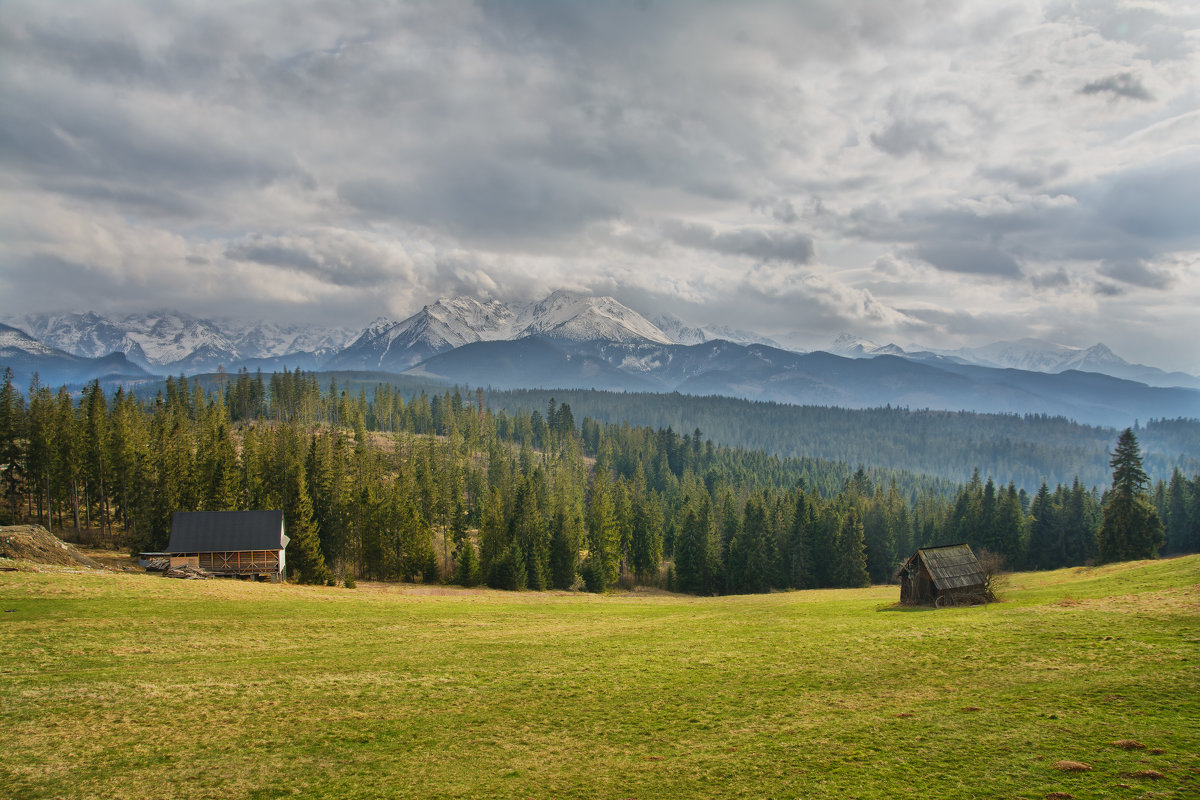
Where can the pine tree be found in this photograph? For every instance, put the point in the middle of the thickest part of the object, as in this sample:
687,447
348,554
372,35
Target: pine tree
304,548
466,566
1131,527
795,551
565,534
12,444
850,567
698,566
1045,534
1177,518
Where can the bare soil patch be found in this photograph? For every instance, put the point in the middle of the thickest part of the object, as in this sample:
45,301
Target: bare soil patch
1128,744
1146,774
1072,766
36,544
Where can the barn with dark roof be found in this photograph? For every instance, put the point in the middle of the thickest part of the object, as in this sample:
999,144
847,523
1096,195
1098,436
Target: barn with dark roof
943,576
230,543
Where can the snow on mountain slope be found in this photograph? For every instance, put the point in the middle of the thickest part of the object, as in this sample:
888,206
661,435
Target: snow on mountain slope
156,339
564,315
13,340
680,332
453,322
268,339
851,346
172,339
677,330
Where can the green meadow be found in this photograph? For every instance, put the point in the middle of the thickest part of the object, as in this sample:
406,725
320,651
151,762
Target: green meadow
133,686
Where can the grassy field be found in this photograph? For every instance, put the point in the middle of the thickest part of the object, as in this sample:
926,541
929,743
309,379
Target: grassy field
131,686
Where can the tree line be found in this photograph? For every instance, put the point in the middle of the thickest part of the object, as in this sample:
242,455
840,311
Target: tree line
441,487
1025,449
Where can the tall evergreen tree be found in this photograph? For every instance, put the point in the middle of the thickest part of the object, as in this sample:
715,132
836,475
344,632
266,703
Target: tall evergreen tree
1045,534
304,557
1131,528
12,445
1177,518
850,566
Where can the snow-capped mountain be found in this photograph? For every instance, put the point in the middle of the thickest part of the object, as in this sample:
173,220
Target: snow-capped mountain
1030,355
600,330
677,330
1037,355
851,346
26,356
173,341
453,322
564,315
13,340
269,340
682,333
153,340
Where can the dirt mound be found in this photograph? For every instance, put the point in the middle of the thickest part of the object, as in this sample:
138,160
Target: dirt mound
35,543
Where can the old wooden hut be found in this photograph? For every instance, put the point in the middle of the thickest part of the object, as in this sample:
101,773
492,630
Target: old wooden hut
231,543
943,576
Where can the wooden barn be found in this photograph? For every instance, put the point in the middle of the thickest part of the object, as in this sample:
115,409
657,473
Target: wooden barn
229,543
943,576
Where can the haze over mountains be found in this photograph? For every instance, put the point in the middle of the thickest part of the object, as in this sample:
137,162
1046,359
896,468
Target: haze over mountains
573,341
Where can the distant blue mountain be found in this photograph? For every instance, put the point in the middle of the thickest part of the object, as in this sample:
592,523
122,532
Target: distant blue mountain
26,356
759,372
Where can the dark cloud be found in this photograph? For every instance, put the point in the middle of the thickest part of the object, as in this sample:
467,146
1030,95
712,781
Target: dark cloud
336,257
780,209
968,257
764,245
907,136
1136,273
1054,279
484,200
1026,176
1156,202
1123,85
275,255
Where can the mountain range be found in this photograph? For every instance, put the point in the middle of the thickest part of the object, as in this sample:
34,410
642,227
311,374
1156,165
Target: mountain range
567,340
1033,355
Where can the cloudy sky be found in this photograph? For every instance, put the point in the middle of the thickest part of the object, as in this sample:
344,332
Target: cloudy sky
942,172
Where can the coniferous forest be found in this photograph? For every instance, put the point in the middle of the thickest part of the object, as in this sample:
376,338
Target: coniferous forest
442,487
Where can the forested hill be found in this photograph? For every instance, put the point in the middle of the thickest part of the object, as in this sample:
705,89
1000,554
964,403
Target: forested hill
1023,449
949,444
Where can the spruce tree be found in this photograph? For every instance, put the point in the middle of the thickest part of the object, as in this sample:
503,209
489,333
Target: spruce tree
1045,535
12,443
1131,527
850,568
466,567
304,548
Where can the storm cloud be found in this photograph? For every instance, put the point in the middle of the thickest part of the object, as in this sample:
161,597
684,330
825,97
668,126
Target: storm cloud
803,169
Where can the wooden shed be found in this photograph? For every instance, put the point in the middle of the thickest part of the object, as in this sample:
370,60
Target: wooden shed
230,543
943,576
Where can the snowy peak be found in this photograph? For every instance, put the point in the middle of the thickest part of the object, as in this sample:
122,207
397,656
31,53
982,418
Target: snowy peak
680,332
453,322
564,315
851,346
469,320
15,340
677,330
167,340
1038,355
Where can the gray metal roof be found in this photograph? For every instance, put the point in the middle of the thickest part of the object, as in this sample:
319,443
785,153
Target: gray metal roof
226,531
952,566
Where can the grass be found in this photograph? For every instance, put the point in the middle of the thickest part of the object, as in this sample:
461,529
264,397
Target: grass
131,686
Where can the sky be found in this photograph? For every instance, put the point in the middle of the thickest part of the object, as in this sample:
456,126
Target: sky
943,173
